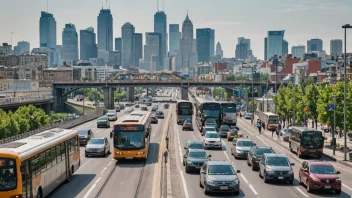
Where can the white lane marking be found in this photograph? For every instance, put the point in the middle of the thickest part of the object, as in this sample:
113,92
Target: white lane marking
252,188
250,132
244,178
265,143
92,187
347,187
101,173
181,173
109,163
227,156
96,182
98,131
301,192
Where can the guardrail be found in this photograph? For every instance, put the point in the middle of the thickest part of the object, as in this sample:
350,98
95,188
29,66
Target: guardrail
65,125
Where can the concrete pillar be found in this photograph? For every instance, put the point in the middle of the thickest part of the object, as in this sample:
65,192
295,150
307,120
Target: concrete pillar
184,92
153,91
112,99
130,94
58,105
107,97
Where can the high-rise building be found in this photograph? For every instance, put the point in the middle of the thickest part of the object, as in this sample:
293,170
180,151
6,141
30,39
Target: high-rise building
151,49
88,44
105,30
174,40
274,43
219,51
118,44
47,30
284,48
336,47
127,44
203,37
187,28
188,46
69,43
160,26
266,48
298,51
314,45
243,48
6,49
21,48
137,48
212,42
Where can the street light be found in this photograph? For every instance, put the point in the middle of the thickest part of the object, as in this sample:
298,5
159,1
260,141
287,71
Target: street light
347,26
294,97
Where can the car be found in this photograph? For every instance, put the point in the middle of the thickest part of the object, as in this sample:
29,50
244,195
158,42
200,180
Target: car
223,130
129,105
276,167
212,140
256,153
166,106
241,148
319,175
207,129
193,144
84,135
155,107
286,133
103,121
233,133
219,176
144,108
112,115
160,114
187,124
122,106
97,147
117,108
136,105
194,159
148,104
154,119
211,122
128,110
248,116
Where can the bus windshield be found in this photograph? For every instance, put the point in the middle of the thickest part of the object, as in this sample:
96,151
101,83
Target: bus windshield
8,178
129,140
229,108
273,120
211,110
184,108
312,139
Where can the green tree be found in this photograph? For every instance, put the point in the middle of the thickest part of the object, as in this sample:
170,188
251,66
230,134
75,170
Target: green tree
217,92
119,96
311,100
11,125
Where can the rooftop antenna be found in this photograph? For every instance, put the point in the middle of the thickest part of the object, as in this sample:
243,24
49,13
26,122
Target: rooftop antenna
163,6
157,5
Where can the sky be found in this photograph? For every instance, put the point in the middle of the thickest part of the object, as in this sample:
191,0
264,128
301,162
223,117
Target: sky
301,19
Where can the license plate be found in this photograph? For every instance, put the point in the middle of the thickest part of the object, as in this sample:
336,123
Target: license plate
280,177
129,157
224,187
198,167
312,151
327,187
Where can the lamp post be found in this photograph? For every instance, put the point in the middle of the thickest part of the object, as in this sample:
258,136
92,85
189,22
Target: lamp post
252,93
294,97
347,26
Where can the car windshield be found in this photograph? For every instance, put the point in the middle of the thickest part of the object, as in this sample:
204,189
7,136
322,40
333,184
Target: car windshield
197,154
103,118
111,112
210,122
196,146
83,132
245,143
129,140
261,151
220,170
316,169
209,129
277,161
224,128
96,141
234,132
248,114
212,135
8,179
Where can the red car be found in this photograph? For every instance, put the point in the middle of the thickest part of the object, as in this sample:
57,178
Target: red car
318,175
154,119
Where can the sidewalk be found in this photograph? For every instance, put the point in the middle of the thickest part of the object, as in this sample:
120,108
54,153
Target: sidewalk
327,152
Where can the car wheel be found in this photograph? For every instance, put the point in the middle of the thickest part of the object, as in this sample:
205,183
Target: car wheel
86,155
248,162
236,193
205,189
308,187
338,191
186,169
104,153
265,180
183,163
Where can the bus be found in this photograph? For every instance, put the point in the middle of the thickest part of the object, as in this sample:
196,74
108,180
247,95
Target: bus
131,136
228,113
207,108
271,120
184,111
306,142
34,166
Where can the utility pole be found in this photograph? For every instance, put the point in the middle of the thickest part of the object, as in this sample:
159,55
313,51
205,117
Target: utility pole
333,130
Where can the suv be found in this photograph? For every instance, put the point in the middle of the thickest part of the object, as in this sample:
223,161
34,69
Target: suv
317,175
208,129
276,167
241,148
193,159
223,130
256,153
219,176
84,136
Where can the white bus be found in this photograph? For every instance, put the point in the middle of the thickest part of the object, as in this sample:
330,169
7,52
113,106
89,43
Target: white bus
271,120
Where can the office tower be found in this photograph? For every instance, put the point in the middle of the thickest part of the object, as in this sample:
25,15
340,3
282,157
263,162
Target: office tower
284,48
219,51
174,40
336,47
212,42
160,25
243,48
137,48
314,45
21,48
69,43
105,30
188,46
127,44
203,37
266,48
118,44
274,43
152,49
88,45
47,30
298,51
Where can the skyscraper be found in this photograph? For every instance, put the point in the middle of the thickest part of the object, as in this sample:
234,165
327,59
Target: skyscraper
212,42
151,48
69,43
274,43
137,48
127,44
314,45
21,48
336,47
219,51
188,45
298,51
88,44
118,44
105,30
160,25
284,48
47,30
243,48
266,48
187,28
203,37
174,40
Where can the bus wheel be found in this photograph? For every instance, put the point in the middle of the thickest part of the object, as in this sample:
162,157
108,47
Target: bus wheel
69,176
40,193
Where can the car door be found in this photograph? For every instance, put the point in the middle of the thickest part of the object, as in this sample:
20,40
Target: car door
203,173
262,165
304,171
185,157
107,145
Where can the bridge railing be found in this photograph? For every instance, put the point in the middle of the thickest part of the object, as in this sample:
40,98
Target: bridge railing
5,101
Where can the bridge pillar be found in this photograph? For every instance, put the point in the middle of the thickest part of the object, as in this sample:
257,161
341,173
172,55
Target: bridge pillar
184,92
153,91
59,103
109,97
130,94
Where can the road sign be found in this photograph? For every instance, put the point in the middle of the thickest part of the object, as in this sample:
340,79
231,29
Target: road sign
306,109
331,107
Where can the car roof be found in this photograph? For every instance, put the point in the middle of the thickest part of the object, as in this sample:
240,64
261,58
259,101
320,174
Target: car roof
244,139
275,155
264,147
98,138
212,132
209,127
320,163
196,150
219,163
194,141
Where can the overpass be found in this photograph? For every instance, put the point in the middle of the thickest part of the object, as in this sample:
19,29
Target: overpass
43,103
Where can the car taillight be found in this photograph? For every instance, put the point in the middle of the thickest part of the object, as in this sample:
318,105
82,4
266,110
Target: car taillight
302,149
321,150
16,196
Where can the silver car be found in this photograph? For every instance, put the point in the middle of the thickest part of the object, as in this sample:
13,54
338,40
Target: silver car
128,110
241,148
112,115
97,147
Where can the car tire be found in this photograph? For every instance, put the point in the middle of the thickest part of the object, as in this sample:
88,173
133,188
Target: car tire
200,183
265,180
86,155
338,191
104,153
260,174
186,169
205,190
248,162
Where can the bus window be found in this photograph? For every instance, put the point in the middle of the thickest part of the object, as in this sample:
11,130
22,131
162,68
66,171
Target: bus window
58,153
53,155
62,153
48,158
42,162
35,165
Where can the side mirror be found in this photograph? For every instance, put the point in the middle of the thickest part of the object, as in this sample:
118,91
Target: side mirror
209,156
238,171
185,148
338,172
292,164
255,144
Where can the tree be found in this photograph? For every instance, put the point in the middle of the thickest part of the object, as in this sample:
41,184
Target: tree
11,125
217,92
119,96
311,99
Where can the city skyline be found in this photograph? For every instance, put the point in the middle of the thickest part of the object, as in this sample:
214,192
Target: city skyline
228,26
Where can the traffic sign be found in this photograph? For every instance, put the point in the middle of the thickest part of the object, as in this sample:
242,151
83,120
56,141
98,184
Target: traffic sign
306,109
331,107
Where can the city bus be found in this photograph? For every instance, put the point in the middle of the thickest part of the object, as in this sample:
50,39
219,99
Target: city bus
228,113
184,111
207,108
271,120
34,166
306,142
131,136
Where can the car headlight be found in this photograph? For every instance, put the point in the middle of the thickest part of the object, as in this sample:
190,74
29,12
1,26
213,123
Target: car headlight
101,149
338,179
210,182
239,150
235,182
269,170
189,162
290,172
315,179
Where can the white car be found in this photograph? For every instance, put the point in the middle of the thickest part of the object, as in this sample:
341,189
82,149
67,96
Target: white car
128,110
112,115
212,140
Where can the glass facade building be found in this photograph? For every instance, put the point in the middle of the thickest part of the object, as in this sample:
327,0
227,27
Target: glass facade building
203,37
274,43
105,30
69,43
160,26
88,45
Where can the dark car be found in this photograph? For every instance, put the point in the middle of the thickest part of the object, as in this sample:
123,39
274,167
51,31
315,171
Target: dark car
154,119
219,176
122,106
103,121
223,130
144,108
194,159
166,106
187,124
155,107
241,148
97,147
211,122
194,144
276,167
160,114
255,154
84,136
318,175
